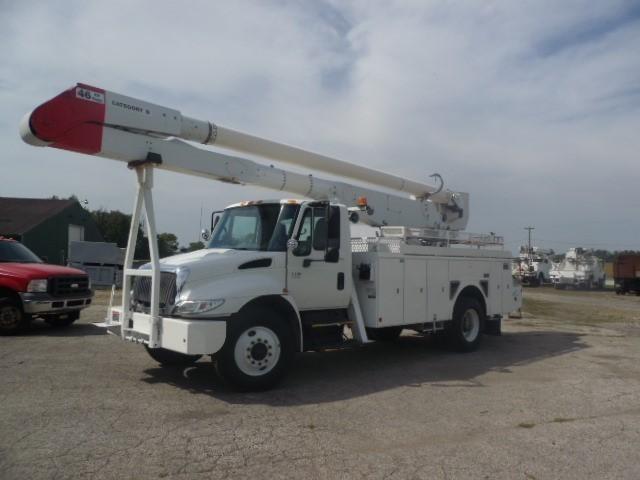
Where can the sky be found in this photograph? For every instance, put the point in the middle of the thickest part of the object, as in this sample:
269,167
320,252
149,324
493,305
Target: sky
533,107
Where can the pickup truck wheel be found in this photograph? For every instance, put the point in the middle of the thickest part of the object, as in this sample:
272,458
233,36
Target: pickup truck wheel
465,329
387,334
170,358
12,318
62,320
257,351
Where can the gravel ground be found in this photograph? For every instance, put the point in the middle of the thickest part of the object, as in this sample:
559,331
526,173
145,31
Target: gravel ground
554,397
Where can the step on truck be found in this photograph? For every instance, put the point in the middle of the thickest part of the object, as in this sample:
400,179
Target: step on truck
283,276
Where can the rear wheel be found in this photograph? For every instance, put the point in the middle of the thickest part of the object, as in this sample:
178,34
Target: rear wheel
257,352
465,329
387,334
12,318
170,358
62,320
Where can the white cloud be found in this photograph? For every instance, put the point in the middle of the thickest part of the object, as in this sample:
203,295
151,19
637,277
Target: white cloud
532,107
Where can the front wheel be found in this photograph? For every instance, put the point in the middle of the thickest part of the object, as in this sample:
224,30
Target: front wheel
12,318
257,352
465,329
169,358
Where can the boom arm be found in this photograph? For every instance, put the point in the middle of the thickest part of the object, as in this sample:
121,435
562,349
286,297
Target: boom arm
97,122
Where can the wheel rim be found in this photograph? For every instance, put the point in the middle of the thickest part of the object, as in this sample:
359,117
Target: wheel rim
9,316
257,351
470,325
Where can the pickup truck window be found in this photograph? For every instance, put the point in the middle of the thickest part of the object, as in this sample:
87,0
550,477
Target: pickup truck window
11,251
265,227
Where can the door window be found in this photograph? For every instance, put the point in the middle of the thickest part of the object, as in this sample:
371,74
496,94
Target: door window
316,233
305,234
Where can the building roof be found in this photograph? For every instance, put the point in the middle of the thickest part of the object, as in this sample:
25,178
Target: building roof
19,215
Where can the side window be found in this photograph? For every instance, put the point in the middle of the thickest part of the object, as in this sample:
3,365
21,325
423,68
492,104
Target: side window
305,234
320,228
316,233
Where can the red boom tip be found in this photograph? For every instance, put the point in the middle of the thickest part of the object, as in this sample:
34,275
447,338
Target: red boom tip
72,121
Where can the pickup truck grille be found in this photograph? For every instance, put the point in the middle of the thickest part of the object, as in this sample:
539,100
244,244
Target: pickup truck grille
142,290
65,286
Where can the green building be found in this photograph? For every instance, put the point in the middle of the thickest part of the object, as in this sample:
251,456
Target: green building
46,226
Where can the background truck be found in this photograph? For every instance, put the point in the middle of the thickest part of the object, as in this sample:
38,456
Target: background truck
626,273
283,276
579,269
532,266
30,288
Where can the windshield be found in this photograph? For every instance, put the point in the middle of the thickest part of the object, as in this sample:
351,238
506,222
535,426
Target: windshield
264,227
16,252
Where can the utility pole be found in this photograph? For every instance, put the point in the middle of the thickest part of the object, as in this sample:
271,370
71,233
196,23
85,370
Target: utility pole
529,250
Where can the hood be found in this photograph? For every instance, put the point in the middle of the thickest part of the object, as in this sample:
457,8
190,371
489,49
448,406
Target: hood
213,261
37,270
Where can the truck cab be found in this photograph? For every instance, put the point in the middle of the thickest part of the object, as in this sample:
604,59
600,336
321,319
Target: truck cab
288,247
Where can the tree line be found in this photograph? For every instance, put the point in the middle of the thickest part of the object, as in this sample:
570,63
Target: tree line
114,226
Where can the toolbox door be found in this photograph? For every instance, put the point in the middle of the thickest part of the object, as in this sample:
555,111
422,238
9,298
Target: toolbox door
390,294
415,291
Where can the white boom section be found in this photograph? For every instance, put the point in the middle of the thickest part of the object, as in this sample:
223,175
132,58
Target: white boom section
182,157
104,123
138,115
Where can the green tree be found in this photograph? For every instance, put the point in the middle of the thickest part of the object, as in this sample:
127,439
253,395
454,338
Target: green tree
167,244
114,226
193,246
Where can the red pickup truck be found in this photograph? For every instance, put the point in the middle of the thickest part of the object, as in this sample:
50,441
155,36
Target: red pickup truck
30,288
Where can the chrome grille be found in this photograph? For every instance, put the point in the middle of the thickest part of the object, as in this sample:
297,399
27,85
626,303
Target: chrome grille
142,291
64,286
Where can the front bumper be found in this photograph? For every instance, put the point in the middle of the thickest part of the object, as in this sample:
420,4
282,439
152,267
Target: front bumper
43,303
189,336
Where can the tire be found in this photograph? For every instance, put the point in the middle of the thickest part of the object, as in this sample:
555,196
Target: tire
62,320
387,334
257,352
12,319
169,358
465,329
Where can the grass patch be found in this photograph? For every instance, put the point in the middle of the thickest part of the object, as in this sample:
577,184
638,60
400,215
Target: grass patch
574,313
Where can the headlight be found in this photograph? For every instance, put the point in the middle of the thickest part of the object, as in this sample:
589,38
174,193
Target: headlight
39,285
197,307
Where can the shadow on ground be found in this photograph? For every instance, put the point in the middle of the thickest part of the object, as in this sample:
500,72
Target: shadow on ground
40,327
412,361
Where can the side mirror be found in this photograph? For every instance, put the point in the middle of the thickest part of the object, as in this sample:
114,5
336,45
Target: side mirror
332,255
292,244
205,235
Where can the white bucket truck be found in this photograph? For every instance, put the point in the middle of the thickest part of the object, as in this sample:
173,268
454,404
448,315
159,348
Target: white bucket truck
283,276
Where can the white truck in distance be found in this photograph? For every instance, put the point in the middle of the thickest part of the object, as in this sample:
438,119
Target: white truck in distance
532,266
579,269
283,276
